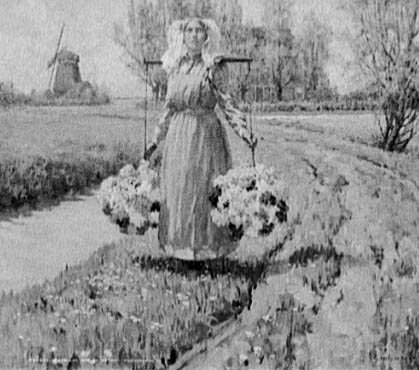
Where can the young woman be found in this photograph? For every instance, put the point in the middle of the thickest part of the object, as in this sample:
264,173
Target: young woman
196,148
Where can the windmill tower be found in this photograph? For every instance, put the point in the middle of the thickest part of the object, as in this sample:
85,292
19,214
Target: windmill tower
65,72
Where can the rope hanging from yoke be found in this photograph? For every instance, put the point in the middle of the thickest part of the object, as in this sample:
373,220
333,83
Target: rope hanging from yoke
249,102
145,109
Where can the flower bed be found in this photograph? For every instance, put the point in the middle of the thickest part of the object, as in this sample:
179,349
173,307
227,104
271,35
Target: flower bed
123,305
248,201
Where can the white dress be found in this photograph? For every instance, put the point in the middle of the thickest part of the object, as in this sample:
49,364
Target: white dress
195,152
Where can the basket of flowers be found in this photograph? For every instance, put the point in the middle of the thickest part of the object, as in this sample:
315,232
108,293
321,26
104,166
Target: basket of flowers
131,199
249,201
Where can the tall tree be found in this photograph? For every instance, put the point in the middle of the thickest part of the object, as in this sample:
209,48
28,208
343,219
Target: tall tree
235,39
312,44
279,53
385,43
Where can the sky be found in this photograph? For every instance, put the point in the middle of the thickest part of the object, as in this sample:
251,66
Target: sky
29,31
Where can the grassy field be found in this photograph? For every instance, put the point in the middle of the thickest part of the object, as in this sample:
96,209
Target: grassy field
341,277
54,130
46,152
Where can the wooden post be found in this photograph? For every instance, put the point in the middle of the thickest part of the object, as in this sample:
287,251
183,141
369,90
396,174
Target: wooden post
239,84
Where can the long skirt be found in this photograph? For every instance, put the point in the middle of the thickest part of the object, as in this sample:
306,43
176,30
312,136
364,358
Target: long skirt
195,152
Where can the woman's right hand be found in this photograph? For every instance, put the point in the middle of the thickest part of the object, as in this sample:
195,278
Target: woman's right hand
149,151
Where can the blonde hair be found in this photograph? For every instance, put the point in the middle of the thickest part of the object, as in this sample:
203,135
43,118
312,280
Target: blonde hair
177,49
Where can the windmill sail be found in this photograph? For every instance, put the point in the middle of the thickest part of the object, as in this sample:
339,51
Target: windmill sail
53,61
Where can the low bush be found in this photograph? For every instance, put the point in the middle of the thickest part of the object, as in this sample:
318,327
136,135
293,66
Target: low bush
9,96
81,94
34,179
308,106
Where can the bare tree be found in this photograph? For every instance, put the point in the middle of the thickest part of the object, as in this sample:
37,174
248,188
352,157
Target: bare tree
279,53
228,15
142,38
385,45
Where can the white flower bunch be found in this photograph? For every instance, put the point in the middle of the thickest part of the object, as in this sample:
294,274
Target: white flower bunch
248,200
132,197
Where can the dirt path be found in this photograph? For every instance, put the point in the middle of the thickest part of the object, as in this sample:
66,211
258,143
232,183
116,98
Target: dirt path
345,193
39,246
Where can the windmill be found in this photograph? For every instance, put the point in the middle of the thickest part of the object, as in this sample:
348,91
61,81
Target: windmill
53,61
